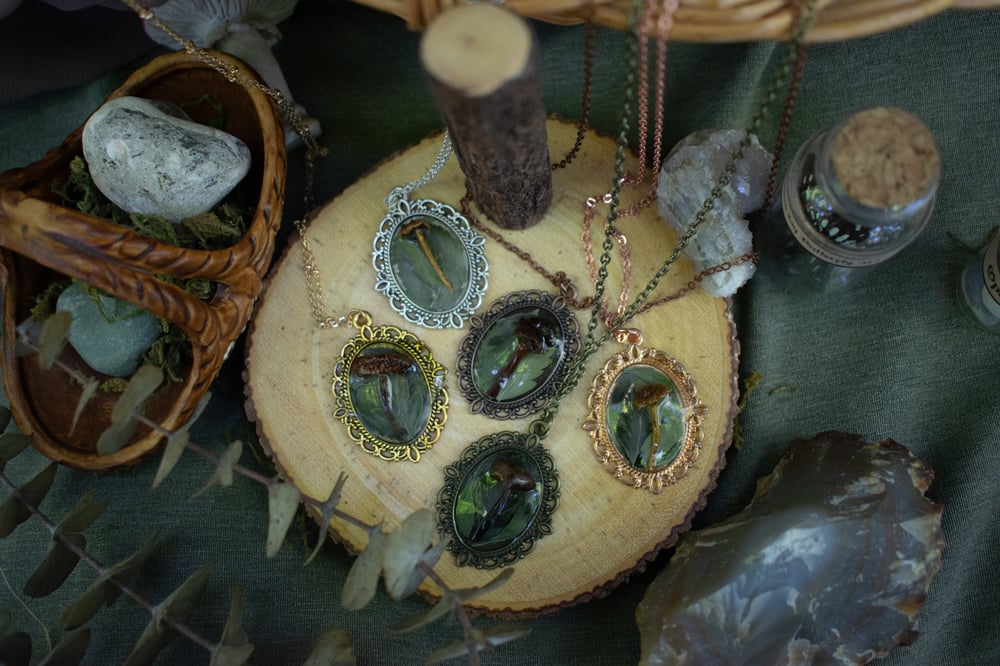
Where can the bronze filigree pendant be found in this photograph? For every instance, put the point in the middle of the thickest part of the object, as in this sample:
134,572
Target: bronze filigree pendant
430,263
390,393
516,354
644,416
498,499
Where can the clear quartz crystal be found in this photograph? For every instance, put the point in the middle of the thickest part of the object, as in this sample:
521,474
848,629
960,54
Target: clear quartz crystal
826,236
979,286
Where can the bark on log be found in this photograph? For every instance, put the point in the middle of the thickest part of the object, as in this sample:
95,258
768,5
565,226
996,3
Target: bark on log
482,63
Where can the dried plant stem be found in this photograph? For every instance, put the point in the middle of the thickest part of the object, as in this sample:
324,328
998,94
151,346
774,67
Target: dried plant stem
468,631
26,607
99,567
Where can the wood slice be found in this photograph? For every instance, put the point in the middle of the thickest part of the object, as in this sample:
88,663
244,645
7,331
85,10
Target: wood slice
602,529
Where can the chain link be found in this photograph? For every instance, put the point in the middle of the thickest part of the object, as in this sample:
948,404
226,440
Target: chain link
400,193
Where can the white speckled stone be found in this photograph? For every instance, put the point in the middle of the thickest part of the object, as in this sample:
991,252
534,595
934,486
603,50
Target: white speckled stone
148,161
109,334
686,180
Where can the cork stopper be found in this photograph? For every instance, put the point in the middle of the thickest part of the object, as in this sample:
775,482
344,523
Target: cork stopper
885,157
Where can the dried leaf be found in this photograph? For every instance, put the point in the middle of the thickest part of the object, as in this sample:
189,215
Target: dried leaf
104,591
4,418
470,593
144,381
329,506
178,606
223,475
11,444
176,444
334,647
435,612
282,503
231,655
15,511
15,649
82,515
419,573
55,333
89,389
116,436
404,549
5,619
362,579
232,633
70,650
485,639
57,565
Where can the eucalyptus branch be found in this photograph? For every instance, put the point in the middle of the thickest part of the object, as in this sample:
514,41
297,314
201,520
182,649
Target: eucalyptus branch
458,609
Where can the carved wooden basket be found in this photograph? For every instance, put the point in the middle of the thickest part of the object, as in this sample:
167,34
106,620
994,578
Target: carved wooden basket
714,20
44,241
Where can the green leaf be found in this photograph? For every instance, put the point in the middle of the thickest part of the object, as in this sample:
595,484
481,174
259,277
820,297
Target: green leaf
232,633
57,565
15,511
176,444
116,436
334,647
11,444
362,579
177,607
419,573
470,593
82,515
15,649
484,640
5,618
404,549
223,474
55,333
435,612
89,389
142,384
329,506
104,591
231,655
70,650
282,503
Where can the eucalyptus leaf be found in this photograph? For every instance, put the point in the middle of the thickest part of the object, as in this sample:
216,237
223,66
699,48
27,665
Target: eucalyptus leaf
329,506
5,618
70,650
334,647
419,573
178,606
282,503
4,418
404,549
55,333
444,605
232,633
11,444
470,593
58,564
486,639
231,655
90,387
82,515
144,381
451,650
362,579
15,511
15,649
223,475
116,436
104,591
176,444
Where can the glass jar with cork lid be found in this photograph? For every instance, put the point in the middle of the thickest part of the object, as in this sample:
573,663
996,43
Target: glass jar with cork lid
854,195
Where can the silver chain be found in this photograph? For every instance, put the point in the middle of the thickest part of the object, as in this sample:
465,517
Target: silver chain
400,193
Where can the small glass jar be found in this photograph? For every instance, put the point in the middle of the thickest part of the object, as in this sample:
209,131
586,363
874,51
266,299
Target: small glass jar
854,195
979,286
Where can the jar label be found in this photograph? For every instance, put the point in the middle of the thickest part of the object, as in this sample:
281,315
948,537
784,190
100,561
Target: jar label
991,268
815,243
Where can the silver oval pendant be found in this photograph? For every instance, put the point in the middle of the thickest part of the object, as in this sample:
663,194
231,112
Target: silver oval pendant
516,353
645,418
498,499
430,263
390,393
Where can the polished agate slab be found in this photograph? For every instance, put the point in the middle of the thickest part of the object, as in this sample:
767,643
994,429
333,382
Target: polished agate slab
829,564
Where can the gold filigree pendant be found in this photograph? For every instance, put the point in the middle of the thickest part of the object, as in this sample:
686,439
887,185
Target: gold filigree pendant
390,393
644,416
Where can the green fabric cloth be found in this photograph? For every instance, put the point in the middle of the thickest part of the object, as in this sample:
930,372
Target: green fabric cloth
894,357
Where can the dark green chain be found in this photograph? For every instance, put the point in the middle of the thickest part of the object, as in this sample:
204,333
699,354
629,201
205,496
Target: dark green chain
540,426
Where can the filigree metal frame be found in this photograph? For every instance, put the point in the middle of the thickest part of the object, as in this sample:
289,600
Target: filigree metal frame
455,476
478,327
432,372
386,283
595,423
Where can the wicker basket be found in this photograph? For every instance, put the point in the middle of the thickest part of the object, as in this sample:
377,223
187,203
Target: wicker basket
713,20
45,242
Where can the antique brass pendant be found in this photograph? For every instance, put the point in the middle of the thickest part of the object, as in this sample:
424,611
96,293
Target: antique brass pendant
498,499
644,416
430,263
516,353
390,393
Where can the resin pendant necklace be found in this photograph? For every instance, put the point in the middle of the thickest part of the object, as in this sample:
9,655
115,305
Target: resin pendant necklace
428,260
